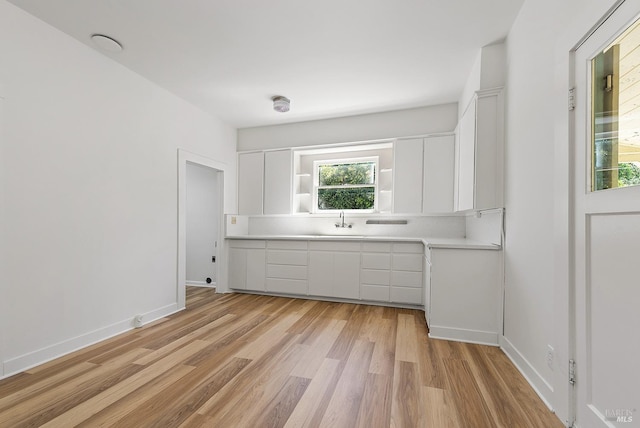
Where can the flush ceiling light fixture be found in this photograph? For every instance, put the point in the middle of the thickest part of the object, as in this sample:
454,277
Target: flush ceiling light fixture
281,104
106,43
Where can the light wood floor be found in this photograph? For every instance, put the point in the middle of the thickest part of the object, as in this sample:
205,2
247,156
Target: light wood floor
257,361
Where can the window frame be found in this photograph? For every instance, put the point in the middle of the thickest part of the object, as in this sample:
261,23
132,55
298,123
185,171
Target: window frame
316,183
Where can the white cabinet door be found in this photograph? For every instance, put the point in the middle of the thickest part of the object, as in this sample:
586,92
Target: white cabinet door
334,269
250,183
278,182
238,268
480,156
320,268
465,303
407,176
346,275
437,187
256,264
467,158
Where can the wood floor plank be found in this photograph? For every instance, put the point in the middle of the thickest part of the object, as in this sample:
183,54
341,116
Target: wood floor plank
111,414
344,406
406,409
407,339
318,349
384,352
524,395
280,407
109,396
470,406
375,407
243,360
313,403
439,408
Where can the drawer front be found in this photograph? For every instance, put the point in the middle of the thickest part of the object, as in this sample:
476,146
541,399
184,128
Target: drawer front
289,286
335,246
376,261
287,245
375,277
408,247
246,243
376,247
375,293
282,257
406,279
410,262
411,296
286,271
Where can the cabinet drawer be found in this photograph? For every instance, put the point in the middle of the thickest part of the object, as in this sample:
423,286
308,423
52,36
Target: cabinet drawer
286,271
287,245
408,247
282,257
376,247
375,277
289,286
248,243
376,261
410,262
406,295
406,279
334,246
375,293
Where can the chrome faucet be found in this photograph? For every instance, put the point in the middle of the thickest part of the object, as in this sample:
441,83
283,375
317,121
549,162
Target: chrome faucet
341,224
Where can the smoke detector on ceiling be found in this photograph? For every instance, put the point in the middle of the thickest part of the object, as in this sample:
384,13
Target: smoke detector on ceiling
106,43
281,104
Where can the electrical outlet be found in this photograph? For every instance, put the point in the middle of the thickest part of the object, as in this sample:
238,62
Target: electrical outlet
550,355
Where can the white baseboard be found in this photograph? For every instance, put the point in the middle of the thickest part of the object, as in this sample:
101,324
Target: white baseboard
48,353
537,382
463,335
200,284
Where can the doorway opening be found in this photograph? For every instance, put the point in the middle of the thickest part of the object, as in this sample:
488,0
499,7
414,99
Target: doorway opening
200,224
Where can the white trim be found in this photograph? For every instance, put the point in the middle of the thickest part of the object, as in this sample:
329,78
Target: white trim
48,353
185,157
463,335
200,284
537,382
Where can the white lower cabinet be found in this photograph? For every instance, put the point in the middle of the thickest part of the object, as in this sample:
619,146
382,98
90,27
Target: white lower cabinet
334,269
372,271
465,289
392,272
287,267
247,265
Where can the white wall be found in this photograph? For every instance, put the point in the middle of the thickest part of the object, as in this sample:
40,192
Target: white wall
536,191
202,223
400,123
488,72
89,176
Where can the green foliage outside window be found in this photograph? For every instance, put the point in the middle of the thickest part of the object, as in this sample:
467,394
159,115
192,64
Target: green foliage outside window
628,174
348,186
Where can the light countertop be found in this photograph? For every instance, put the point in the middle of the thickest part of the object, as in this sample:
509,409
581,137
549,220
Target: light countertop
453,243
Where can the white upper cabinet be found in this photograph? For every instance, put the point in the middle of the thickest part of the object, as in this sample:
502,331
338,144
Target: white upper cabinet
250,183
479,160
407,176
423,175
437,187
278,182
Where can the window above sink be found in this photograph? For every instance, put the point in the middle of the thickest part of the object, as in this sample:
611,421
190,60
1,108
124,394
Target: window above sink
355,178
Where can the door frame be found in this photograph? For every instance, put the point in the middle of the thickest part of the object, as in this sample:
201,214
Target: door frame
185,157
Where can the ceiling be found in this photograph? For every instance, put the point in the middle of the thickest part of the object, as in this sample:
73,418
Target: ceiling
331,58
